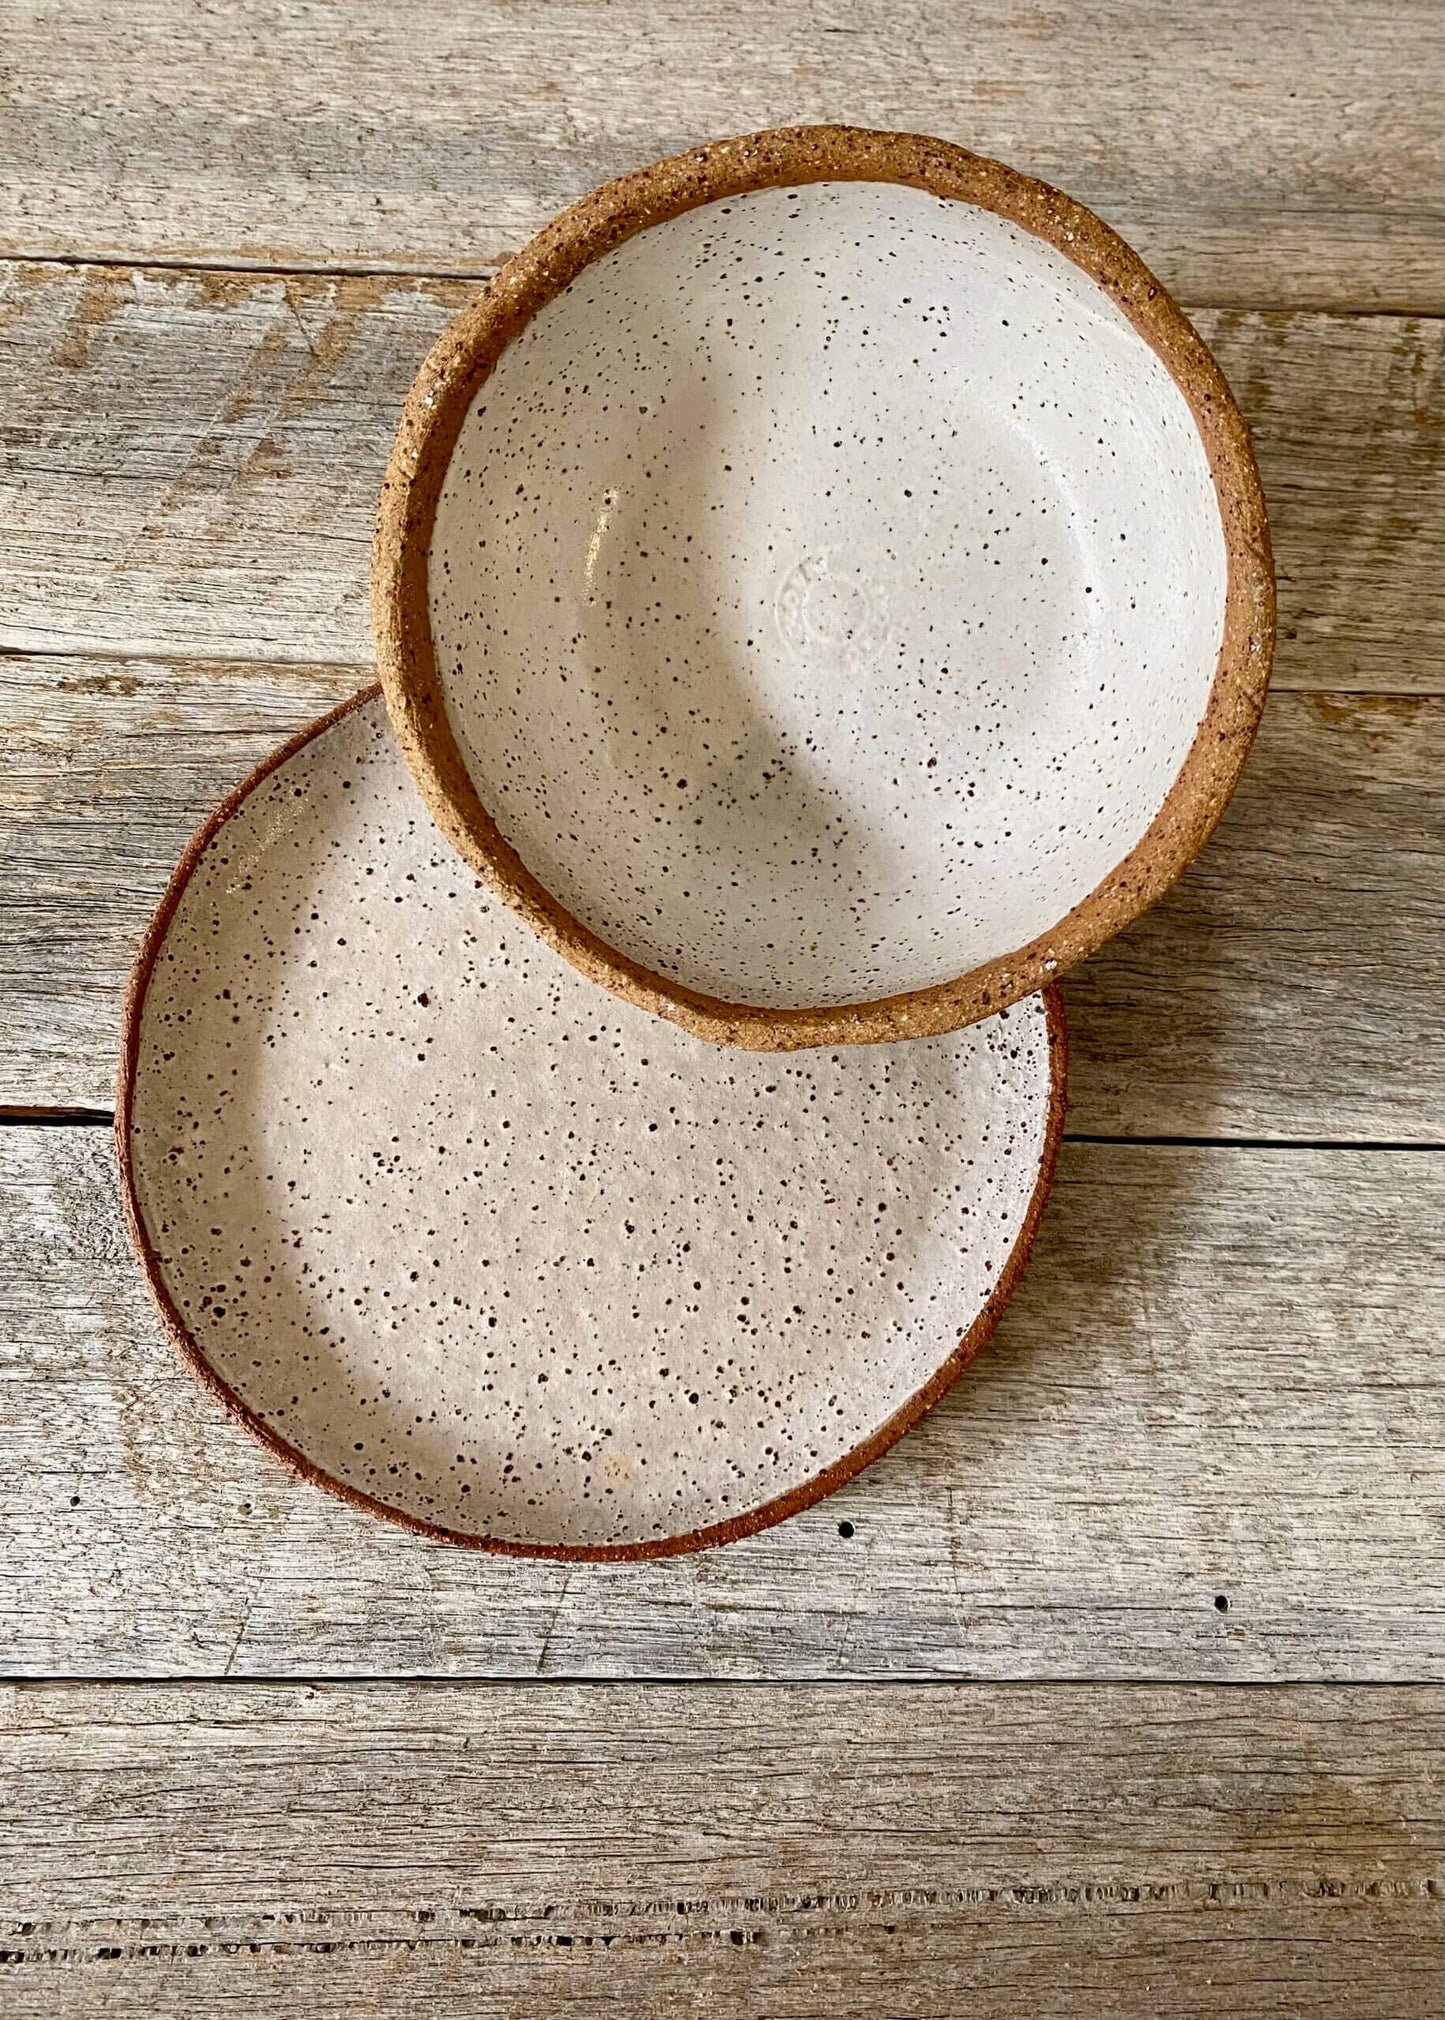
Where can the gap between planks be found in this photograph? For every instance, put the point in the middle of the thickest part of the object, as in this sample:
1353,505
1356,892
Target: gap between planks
363,674
79,1118
703,1680
1426,311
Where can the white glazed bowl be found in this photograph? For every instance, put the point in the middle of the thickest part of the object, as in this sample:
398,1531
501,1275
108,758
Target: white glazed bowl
824,585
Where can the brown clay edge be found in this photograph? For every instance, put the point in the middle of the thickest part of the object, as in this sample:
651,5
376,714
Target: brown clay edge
821,1485
466,353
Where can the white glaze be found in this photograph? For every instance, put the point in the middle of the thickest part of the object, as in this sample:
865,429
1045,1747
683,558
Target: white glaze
826,588
512,1256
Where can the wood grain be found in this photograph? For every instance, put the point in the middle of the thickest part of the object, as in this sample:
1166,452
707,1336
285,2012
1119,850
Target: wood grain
1293,986
191,462
1220,1379
648,1850
1284,154
106,769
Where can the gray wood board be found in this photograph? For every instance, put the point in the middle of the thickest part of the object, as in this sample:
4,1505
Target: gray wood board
1283,154
1291,987
191,462
1220,1379
848,1851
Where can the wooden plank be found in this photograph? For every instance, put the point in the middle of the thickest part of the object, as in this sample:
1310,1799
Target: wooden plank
1282,154
1221,1380
1293,984
1077,1852
108,767
191,463
1292,987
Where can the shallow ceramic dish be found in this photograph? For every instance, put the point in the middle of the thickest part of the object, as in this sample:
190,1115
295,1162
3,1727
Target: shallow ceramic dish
823,585
474,1245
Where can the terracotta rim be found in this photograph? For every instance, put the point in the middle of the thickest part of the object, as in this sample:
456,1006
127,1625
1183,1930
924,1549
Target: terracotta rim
468,350
822,1484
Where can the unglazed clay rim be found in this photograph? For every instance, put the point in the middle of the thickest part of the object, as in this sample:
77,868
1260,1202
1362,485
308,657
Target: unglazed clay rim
822,1484
468,350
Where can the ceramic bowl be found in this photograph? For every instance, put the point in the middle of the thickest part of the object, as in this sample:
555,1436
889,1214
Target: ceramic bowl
823,584
483,1250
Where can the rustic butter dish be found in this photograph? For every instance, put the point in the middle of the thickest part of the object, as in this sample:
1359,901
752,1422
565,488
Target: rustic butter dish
479,1248
823,585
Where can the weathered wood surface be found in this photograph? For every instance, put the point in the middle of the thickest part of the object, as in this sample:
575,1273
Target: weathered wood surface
1221,1379
191,464
1292,987
1278,155
106,768
1162,1853
1293,983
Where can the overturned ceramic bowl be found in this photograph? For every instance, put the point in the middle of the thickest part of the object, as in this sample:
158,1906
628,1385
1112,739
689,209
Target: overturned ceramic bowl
823,585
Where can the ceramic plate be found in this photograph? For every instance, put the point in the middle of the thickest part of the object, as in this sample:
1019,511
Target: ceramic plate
479,1246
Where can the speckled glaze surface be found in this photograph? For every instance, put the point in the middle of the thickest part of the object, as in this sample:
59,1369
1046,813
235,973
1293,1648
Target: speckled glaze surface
477,1245
824,586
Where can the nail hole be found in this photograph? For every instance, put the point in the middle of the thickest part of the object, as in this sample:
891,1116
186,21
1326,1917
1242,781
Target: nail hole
1221,1604
845,1529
